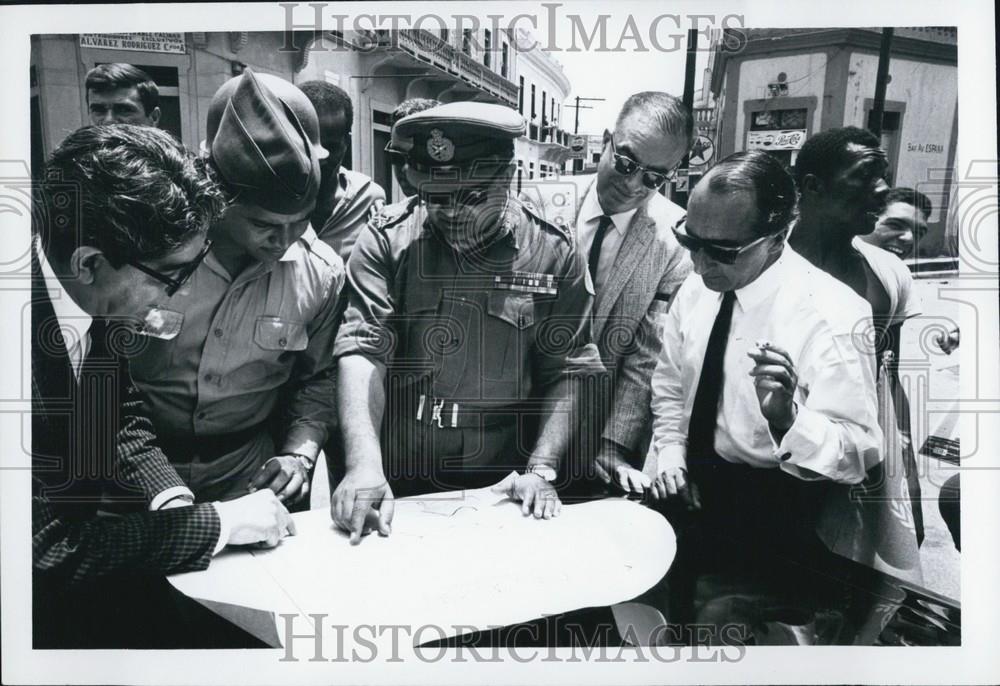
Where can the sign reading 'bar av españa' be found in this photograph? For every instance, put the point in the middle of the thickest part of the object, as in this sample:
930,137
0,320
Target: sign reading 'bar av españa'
138,42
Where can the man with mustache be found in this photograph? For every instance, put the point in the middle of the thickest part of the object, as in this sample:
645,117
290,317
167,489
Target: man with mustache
467,321
840,176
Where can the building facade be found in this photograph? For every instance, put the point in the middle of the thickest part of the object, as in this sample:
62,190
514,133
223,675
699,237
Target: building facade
542,92
774,88
377,69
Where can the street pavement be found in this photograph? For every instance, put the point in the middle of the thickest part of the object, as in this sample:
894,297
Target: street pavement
932,381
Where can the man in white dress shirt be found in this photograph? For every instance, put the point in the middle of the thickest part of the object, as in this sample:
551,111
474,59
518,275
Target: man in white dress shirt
762,397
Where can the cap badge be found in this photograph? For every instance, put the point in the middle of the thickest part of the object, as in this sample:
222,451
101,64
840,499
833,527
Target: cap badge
440,148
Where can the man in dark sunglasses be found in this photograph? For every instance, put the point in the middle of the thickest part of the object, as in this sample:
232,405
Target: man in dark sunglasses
623,227
762,400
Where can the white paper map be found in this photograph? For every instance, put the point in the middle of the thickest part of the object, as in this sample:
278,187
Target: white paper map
461,559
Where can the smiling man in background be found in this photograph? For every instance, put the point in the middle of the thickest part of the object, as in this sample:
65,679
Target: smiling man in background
902,223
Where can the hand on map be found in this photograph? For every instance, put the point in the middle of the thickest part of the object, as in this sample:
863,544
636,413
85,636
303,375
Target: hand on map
256,518
536,495
363,502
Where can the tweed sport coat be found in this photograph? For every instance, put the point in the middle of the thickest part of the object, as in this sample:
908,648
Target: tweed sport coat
629,308
93,449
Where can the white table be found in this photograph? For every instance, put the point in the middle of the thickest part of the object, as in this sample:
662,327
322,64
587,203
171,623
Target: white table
462,559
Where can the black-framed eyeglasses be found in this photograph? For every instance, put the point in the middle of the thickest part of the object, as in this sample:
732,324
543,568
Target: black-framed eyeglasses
174,283
725,254
626,166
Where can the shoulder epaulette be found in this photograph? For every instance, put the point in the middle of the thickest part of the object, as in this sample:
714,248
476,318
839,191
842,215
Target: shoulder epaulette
321,249
529,209
391,215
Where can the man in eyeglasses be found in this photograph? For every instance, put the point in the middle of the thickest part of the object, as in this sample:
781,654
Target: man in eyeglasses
117,205
761,396
243,396
467,320
623,226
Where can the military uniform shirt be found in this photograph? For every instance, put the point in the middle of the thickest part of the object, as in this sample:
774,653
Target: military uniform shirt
243,339
488,329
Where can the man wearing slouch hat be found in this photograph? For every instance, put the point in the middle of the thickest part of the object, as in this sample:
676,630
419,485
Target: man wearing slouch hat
243,394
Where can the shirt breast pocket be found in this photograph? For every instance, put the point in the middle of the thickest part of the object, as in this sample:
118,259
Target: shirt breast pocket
507,340
280,335
269,364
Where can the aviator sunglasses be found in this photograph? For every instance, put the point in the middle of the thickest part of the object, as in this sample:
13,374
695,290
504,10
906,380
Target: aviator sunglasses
626,166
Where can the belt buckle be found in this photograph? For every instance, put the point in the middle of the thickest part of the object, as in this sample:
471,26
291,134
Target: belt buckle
437,411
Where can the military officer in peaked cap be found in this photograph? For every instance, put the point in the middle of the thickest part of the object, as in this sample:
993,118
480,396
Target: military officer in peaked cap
467,319
243,392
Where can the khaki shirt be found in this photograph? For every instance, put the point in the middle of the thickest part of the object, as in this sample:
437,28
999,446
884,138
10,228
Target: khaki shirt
345,212
245,341
495,329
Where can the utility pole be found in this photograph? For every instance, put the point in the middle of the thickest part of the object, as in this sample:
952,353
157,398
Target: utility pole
680,197
576,121
881,79
578,107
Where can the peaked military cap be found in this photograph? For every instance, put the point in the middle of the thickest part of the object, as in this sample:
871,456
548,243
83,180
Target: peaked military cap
457,133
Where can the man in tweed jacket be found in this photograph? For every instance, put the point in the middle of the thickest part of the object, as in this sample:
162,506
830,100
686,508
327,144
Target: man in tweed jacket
120,225
624,228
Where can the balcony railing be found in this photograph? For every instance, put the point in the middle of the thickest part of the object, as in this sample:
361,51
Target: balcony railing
428,47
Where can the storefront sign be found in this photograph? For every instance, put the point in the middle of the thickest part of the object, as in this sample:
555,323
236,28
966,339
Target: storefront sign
137,42
788,139
925,147
577,147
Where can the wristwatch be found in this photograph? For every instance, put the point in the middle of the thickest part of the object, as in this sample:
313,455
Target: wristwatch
304,460
544,471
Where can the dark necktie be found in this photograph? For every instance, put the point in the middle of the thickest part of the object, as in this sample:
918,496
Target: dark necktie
594,257
705,411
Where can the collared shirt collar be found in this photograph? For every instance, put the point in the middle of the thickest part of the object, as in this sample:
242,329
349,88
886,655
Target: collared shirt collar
761,288
68,313
591,211
296,249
